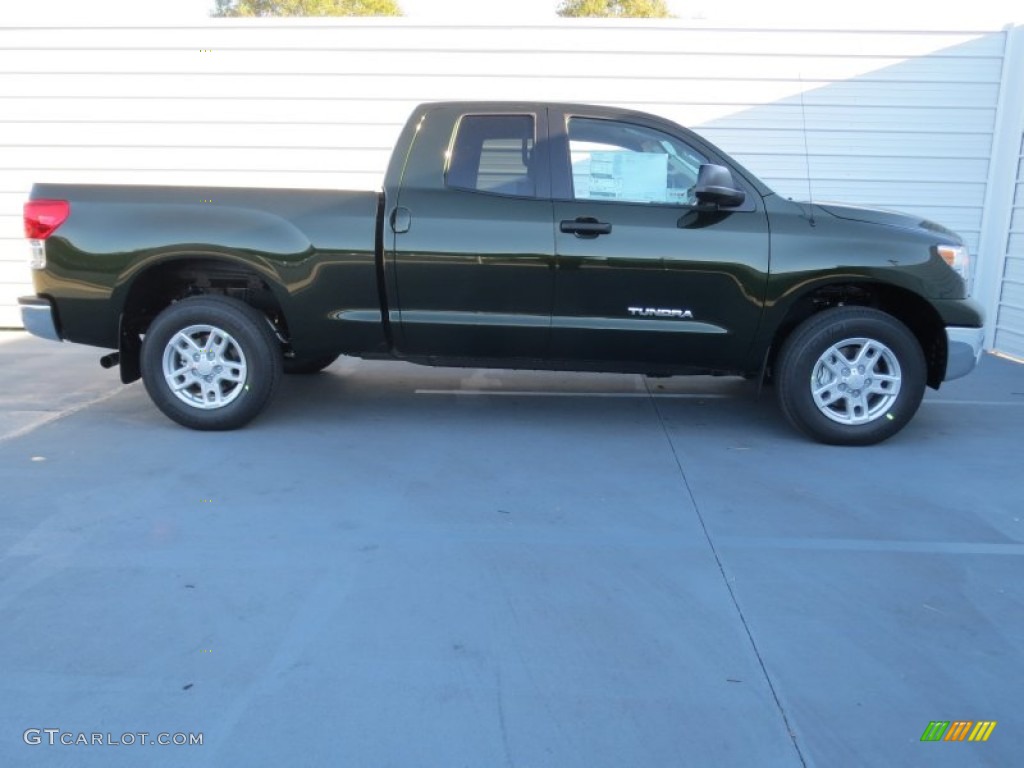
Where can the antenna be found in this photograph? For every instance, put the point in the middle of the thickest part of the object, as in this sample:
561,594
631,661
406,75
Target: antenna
807,155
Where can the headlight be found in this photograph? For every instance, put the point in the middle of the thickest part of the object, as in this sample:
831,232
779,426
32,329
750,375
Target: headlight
957,258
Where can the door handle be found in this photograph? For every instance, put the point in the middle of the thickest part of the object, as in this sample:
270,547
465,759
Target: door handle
585,226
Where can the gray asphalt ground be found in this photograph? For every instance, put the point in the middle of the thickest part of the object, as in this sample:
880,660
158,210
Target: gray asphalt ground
402,566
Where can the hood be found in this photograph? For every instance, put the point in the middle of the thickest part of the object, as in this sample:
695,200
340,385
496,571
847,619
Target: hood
886,218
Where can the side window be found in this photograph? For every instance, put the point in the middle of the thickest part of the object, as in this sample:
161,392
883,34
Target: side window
630,163
494,153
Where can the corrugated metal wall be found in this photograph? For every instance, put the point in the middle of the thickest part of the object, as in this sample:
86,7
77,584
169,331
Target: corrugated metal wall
1009,313
899,119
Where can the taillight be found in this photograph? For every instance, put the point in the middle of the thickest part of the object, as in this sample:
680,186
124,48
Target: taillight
42,217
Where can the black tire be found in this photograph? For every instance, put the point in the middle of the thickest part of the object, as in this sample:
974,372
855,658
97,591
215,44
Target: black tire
238,361
306,365
861,400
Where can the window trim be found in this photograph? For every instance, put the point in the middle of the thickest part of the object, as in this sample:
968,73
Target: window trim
562,183
540,149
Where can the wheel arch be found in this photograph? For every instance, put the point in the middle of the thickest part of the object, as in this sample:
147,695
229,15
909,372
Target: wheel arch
160,282
910,308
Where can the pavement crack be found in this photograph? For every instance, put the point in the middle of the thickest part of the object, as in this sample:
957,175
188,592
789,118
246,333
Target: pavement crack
725,579
499,692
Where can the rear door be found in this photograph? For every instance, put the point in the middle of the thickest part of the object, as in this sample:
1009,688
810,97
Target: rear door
473,254
644,277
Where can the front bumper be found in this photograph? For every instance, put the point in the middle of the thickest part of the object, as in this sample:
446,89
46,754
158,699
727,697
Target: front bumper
964,350
38,317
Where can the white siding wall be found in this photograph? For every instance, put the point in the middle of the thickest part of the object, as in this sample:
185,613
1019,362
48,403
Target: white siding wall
1001,281
900,119
1009,312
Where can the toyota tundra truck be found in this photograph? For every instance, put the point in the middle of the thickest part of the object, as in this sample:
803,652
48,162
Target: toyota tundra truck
511,235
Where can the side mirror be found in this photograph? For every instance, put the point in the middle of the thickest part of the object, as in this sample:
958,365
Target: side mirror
715,185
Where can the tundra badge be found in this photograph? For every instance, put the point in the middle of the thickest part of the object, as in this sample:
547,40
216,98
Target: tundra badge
682,314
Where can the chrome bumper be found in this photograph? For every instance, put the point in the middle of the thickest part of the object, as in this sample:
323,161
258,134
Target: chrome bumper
964,350
38,318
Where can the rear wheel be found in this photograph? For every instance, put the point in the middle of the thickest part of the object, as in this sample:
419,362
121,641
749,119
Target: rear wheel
307,365
210,362
851,376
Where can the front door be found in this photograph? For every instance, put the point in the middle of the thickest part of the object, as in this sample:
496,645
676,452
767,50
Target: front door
644,277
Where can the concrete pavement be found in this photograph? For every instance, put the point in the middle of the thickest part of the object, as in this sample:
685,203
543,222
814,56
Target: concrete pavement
401,566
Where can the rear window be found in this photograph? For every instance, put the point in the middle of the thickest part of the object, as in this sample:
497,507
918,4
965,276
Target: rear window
494,154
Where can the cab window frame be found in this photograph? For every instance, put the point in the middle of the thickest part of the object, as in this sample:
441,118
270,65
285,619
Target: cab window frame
539,159
562,181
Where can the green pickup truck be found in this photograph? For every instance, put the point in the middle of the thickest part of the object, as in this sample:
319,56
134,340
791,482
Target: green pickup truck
512,235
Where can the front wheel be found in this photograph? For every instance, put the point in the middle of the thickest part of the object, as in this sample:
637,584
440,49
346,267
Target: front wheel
851,376
210,362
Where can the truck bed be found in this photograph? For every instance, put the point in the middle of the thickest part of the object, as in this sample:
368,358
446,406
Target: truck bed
315,247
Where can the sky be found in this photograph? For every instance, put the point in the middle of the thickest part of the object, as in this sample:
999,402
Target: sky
980,14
